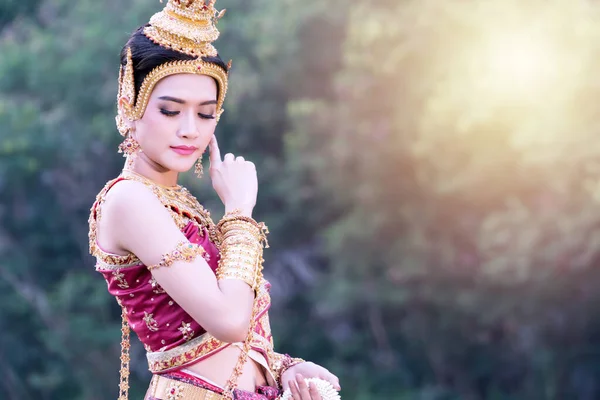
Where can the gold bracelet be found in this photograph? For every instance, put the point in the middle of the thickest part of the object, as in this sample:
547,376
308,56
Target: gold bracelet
241,250
184,251
234,219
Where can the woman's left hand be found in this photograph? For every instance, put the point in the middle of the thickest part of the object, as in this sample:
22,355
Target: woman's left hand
294,377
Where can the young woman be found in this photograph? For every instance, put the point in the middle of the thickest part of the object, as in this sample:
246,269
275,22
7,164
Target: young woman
191,290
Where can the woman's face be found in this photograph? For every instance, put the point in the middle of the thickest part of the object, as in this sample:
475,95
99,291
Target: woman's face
178,123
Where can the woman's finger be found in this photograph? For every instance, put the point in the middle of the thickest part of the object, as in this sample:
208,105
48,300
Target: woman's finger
228,157
314,392
240,159
215,152
294,389
303,388
331,378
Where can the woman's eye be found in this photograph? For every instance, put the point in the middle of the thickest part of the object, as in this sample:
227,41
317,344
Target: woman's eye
168,113
206,116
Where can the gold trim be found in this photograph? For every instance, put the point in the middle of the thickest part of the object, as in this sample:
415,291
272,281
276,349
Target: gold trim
103,266
171,389
197,67
201,346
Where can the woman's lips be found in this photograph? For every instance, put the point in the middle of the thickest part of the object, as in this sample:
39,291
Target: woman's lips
184,150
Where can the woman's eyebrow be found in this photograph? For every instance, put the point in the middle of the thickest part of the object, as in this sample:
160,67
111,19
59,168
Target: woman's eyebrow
180,101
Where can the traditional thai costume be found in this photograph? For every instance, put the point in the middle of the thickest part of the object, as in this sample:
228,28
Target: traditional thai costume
233,248
172,338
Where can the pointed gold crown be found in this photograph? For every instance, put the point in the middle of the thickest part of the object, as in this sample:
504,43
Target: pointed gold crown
186,26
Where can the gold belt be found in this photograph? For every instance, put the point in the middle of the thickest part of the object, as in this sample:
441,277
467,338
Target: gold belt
170,389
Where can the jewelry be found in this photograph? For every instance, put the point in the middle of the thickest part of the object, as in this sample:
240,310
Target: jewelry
129,146
188,27
122,127
125,345
199,169
198,67
184,251
126,89
182,205
241,255
242,241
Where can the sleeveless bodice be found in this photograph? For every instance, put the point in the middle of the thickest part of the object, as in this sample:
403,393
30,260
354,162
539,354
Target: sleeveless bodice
172,338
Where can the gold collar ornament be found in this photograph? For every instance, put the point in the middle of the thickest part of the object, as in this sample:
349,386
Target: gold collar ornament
186,26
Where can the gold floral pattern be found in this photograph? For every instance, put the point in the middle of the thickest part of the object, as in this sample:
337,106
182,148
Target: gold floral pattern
150,322
184,251
156,288
194,350
120,278
186,330
175,391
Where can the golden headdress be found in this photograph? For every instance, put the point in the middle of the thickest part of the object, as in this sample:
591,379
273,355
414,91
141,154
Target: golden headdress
186,26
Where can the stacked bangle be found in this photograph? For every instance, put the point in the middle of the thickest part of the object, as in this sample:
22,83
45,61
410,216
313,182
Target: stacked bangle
241,249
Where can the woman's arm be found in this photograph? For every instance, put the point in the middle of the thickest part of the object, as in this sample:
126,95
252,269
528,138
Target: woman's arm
138,223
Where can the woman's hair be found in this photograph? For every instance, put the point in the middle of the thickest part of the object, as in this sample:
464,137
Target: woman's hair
147,55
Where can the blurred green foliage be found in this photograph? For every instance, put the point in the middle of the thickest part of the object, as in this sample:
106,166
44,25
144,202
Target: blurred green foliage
431,240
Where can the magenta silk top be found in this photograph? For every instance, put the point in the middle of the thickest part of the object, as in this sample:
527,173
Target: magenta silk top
171,337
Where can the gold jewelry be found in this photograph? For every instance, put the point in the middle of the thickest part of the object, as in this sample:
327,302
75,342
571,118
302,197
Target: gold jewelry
125,345
186,26
199,169
122,127
184,251
241,249
182,205
126,89
241,258
198,67
129,146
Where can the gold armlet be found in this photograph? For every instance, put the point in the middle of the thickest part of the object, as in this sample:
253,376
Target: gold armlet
241,249
184,251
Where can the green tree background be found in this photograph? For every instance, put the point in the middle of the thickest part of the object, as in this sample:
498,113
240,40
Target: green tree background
435,233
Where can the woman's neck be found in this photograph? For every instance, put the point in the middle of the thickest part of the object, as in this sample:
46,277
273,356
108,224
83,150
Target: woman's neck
153,171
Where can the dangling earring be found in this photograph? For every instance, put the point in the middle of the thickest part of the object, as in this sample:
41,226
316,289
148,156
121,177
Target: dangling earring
199,169
129,147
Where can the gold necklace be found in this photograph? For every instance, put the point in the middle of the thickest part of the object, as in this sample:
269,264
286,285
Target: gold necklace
182,205
126,172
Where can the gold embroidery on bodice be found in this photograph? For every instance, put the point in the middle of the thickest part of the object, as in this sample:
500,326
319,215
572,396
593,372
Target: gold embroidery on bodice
183,207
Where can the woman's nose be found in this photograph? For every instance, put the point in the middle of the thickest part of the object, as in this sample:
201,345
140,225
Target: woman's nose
189,127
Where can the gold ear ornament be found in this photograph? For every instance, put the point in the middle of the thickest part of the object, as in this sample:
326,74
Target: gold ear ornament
199,168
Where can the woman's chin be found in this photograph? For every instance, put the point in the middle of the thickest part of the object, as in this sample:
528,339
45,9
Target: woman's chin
180,167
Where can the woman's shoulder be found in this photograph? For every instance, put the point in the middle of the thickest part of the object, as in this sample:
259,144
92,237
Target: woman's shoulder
129,199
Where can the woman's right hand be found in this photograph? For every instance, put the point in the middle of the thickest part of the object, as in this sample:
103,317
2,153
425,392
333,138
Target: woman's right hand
234,179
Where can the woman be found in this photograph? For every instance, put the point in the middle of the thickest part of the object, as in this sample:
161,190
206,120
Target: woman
191,290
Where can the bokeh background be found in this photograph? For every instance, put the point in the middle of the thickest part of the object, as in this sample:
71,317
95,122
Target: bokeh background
429,171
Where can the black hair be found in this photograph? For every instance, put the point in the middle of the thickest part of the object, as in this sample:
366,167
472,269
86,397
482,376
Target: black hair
147,55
